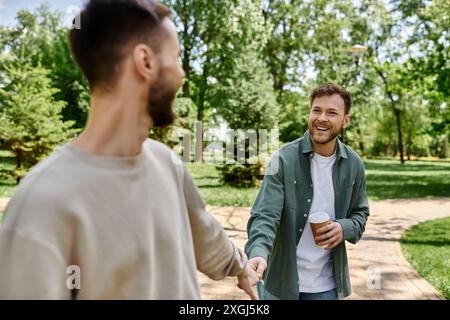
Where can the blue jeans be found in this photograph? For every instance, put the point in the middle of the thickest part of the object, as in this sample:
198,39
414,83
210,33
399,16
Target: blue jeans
326,295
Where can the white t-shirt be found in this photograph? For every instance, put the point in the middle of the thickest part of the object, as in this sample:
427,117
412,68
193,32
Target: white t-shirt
315,266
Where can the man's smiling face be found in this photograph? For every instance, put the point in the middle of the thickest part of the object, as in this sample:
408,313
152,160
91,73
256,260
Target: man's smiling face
327,118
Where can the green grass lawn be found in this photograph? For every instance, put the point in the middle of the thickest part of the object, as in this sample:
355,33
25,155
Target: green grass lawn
388,179
207,178
427,248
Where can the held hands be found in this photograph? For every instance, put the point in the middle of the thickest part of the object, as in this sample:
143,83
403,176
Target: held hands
247,280
329,236
259,265
253,274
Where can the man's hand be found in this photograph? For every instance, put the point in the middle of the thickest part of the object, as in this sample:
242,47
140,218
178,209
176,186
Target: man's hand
247,280
330,235
258,264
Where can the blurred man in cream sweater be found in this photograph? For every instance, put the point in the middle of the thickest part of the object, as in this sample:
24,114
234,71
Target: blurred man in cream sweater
112,207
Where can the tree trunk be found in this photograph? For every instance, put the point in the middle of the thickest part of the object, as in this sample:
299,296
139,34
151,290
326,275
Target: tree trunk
187,71
408,148
398,121
203,88
361,143
186,63
18,165
397,113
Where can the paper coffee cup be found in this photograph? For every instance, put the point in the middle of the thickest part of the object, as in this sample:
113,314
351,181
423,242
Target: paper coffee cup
318,220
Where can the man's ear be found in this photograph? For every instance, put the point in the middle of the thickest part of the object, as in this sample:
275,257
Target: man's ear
347,119
145,62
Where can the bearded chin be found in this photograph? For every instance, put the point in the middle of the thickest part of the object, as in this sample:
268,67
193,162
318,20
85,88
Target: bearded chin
333,135
160,108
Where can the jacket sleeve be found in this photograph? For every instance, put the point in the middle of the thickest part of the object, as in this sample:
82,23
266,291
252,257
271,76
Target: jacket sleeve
266,212
215,254
354,224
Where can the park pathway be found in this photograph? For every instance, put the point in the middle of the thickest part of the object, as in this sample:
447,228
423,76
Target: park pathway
378,269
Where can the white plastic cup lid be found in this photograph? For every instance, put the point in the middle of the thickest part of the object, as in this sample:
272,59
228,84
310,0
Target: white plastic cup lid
318,217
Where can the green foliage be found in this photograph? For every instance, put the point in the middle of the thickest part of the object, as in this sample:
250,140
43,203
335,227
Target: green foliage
39,40
426,246
243,95
242,175
293,116
287,46
252,64
405,70
30,117
203,38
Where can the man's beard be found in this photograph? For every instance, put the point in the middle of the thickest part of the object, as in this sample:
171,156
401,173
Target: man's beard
333,133
160,104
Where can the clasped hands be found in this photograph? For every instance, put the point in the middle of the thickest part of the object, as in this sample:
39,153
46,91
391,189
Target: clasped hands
253,273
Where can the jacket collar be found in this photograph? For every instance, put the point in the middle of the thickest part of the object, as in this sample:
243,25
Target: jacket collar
307,146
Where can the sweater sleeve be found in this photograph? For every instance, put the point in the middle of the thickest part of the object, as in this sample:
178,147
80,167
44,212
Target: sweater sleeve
30,268
215,254
34,241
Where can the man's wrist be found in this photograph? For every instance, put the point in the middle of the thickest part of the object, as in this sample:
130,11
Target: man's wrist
258,252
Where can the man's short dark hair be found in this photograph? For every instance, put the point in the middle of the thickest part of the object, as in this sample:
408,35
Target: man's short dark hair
329,89
107,29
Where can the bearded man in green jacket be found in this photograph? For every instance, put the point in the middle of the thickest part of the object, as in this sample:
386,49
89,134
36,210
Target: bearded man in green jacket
315,173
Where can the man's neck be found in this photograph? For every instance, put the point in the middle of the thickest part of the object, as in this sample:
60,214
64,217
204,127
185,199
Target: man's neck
325,150
117,126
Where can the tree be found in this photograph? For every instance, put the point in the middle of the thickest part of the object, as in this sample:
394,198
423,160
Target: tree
385,57
287,22
39,40
243,95
430,70
30,116
202,25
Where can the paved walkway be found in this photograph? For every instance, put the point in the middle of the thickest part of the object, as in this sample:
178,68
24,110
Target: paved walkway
378,269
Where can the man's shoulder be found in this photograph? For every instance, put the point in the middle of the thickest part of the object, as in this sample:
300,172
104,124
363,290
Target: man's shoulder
353,156
164,156
46,170
44,186
159,149
291,148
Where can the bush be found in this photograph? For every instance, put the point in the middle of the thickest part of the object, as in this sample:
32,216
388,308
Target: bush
242,175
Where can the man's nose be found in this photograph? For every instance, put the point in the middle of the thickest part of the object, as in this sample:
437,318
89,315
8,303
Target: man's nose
322,117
